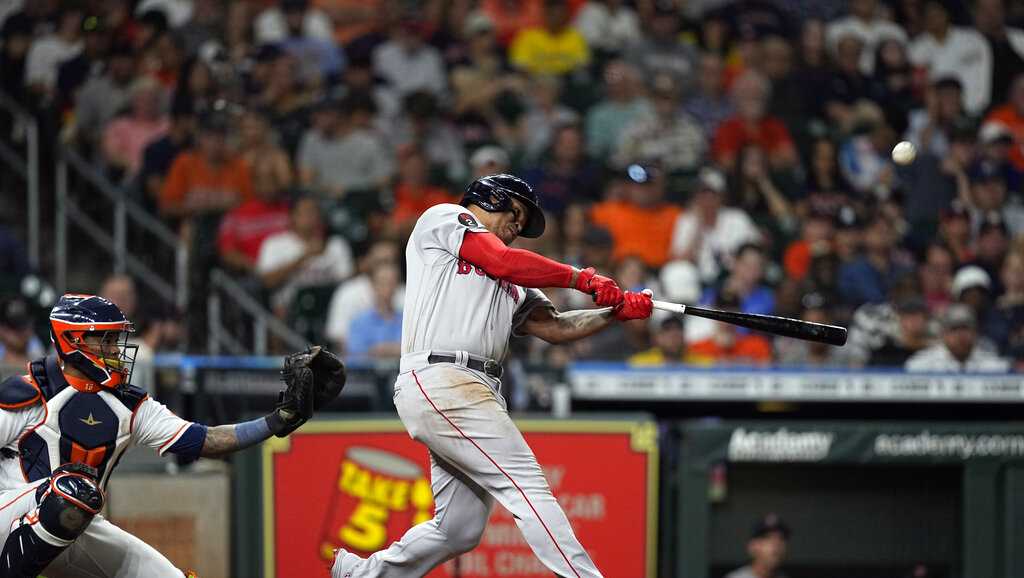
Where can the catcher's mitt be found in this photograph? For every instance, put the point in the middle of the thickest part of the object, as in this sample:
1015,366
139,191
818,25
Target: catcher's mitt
312,379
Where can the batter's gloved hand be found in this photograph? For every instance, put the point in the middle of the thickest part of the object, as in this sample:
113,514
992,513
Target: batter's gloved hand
313,378
635,306
605,290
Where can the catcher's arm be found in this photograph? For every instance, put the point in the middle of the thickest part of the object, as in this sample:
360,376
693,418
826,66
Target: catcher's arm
312,379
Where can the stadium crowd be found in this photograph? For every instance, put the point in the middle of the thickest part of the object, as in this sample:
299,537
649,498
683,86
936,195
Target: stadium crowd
730,153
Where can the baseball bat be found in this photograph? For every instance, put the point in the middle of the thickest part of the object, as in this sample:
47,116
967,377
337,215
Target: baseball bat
796,328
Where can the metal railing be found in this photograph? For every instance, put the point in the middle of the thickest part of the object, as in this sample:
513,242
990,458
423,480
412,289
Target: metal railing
264,323
26,167
115,243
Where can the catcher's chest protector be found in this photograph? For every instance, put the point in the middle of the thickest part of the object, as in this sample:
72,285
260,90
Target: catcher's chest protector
93,428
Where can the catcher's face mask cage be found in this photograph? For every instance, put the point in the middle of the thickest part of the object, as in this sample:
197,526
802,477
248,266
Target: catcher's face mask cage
90,334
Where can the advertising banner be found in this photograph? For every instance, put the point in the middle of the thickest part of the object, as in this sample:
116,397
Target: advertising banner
360,484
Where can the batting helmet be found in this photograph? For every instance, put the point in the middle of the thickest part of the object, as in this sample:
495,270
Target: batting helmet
494,193
76,317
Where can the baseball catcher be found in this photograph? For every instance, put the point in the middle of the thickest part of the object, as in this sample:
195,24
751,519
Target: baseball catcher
65,425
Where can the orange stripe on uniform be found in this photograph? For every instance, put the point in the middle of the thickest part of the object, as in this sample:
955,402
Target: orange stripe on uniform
173,438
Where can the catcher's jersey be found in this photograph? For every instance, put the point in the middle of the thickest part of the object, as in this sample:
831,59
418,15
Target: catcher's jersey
68,425
450,305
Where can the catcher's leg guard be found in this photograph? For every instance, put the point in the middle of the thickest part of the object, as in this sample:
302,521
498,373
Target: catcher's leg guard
68,501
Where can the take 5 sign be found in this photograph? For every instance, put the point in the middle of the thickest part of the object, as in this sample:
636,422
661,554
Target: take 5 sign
360,485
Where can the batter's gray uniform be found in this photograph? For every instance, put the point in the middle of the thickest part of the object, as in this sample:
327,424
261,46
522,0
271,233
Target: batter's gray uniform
477,454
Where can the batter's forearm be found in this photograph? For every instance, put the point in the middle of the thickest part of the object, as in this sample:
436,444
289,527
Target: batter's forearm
573,325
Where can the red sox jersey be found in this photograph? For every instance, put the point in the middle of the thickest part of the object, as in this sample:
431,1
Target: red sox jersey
450,304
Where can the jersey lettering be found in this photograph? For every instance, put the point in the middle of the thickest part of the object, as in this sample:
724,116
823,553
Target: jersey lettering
464,267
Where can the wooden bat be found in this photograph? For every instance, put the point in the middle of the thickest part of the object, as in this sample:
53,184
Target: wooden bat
830,334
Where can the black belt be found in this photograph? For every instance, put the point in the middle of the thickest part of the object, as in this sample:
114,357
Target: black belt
489,367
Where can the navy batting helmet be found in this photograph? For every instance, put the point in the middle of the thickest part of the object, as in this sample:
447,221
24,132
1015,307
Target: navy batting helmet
494,193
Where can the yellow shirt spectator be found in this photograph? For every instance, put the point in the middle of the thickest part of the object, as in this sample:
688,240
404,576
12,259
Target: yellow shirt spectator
655,356
544,51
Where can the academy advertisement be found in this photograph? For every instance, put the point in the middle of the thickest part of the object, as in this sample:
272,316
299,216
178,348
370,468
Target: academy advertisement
364,483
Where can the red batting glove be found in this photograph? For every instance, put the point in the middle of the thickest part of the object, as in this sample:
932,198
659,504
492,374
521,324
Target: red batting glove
605,291
635,306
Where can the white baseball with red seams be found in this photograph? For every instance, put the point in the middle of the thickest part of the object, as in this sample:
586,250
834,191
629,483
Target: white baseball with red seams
477,454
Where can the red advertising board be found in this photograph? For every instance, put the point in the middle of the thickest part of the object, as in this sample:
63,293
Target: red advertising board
361,484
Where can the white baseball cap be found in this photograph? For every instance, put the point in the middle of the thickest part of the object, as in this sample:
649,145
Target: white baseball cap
968,277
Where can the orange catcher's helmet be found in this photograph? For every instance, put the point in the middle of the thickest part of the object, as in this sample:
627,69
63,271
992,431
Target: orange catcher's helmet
91,335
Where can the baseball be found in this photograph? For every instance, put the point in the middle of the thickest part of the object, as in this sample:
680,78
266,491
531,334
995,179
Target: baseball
903,153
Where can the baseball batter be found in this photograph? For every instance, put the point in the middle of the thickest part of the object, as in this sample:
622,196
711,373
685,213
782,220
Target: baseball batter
467,292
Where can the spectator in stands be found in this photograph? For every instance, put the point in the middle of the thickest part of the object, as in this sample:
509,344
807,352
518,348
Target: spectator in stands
376,332
996,145
745,282
955,231
990,248
767,550
931,183
268,162
813,67
121,291
848,85
407,63
160,154
555,48
544,113
126,137
988,197
868,278
751,125
356,294
815,239
73,72
197,90
489,160
340,153
565,175
972,286
413,192
641,223
208,179
669,346
946,50
320,59
865,21
512,16
758,193
290,17
864,157
48,51
727,344
709,103
203,29
609,26
659,50
104,95
936,276
162,58
302,256
244,228
424,125
1011,116
796,352
826,189
18,342
668,137
1005,43
911,336
894,83
623,103
958,352
708,234
930,129
1005,324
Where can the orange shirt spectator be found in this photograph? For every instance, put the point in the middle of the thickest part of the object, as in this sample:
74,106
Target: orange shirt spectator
510,17
412,200
746,349
1011,116
641,223
195,185
353,18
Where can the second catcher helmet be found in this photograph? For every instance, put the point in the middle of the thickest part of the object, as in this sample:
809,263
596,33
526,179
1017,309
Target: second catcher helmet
107,361
494,193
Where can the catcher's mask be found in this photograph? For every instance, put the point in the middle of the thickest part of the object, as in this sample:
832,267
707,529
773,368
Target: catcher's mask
91,335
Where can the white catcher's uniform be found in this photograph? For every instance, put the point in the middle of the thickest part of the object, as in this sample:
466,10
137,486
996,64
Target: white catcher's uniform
477,453
103,550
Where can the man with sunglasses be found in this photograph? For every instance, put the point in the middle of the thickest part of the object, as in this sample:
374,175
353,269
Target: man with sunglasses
63,428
